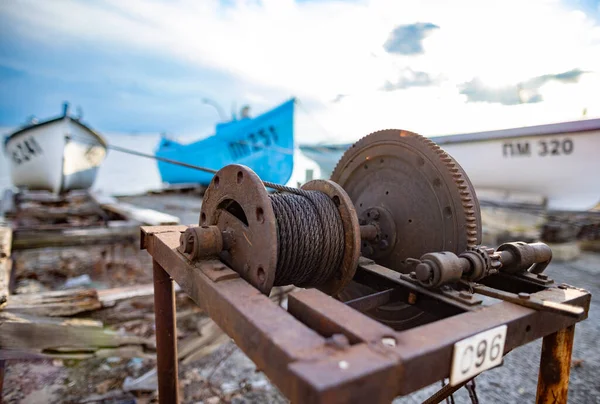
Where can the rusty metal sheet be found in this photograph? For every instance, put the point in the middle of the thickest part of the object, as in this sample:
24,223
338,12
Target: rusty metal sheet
367,377
217,271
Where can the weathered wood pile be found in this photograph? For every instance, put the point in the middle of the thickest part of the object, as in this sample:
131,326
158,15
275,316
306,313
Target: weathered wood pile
41,219
71,323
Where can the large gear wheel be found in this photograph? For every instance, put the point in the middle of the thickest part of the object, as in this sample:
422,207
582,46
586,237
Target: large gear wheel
417,195
419,187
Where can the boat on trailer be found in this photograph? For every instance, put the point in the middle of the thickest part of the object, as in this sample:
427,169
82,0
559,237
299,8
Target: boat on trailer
556,164
59,154
265,144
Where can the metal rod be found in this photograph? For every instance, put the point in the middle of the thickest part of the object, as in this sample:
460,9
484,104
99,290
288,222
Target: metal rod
555,366
444,393
527,300
372,301
268,184
2,365
368,232
166,336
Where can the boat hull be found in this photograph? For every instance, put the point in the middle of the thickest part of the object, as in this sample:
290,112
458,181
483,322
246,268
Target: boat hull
559,167
265,144
57,156
554,164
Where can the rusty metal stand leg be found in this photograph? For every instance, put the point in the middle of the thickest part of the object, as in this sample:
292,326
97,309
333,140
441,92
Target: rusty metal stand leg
2,365
166,336
555,366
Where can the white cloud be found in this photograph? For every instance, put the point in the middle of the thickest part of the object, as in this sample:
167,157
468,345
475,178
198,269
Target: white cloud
317,50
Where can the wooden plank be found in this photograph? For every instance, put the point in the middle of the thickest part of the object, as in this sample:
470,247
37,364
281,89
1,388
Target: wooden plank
142,215
19,332
115,232
145,216
62,303
55,303
47,213
109,297
5,263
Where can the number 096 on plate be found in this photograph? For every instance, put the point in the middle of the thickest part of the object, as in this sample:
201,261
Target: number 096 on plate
475,354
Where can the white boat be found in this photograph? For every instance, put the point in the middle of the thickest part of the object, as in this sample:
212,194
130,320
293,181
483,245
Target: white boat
559,162
57,155
556,165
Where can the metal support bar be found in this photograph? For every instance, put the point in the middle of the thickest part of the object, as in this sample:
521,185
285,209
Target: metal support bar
369,302
2,365
525,299
555,366
166,336
298,350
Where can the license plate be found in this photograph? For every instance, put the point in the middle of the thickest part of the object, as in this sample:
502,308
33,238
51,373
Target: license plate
475,354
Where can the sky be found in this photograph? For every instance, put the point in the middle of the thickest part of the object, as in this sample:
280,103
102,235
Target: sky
431,66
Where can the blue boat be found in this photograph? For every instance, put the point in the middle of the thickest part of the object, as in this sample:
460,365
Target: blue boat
265,144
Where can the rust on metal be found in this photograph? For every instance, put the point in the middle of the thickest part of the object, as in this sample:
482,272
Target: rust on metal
216,271
2,371
237,202
526,300
372,301
555,366
201,242
429,197
294,348
351,233
368,232
166,335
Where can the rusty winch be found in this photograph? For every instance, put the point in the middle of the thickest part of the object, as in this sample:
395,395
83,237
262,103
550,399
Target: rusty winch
394,239
395,197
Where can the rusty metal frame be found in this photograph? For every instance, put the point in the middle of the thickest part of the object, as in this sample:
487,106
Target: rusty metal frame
296,350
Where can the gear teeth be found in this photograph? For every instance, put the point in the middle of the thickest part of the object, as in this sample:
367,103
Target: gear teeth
463,186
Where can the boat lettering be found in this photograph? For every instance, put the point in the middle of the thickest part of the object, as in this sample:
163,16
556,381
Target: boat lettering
254,143
516,149
26,150
554,147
